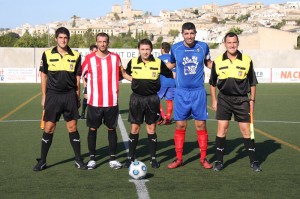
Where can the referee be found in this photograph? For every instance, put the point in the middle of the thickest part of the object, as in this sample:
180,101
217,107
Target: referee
144,101
233,74
60,83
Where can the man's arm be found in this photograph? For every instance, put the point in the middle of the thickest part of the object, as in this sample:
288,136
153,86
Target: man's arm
214,102
78,90
44,79
252,98
208,63
125,75
170,65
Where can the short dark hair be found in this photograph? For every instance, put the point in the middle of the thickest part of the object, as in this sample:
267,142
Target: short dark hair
102,34
145,42
231,34
62,30
92,47
188,26
166,47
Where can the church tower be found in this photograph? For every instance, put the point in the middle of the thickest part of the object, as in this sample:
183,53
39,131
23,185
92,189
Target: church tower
127,6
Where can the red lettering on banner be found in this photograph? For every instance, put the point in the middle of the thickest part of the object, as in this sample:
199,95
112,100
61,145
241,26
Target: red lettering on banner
290,75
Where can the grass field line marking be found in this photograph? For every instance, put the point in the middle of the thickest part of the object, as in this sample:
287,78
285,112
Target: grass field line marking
140,185
19,107
277,139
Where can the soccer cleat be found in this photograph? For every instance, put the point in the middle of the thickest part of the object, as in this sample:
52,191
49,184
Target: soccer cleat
79,164
128,162
40,165
91,164
115,164
205,164
218,166
176,163
255,166
154,163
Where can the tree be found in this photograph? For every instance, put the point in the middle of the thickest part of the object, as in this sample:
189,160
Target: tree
279,25
196,12
243,18
76,41
89,38
9,39
74,17
116,16
25,41
236,30
215,20
173,33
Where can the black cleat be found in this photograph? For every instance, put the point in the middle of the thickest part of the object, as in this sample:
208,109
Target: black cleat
218,166
255,166
128,162
79,164
154,163
40,165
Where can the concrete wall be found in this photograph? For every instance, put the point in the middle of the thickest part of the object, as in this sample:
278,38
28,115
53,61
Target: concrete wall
30,57
268,39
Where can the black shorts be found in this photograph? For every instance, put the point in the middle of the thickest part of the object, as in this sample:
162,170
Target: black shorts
237,105
61,103
106,115
141,107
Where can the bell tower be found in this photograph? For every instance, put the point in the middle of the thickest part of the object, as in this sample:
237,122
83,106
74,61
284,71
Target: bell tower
127,6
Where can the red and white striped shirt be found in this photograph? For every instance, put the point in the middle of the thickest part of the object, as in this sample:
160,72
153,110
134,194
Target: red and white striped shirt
103,79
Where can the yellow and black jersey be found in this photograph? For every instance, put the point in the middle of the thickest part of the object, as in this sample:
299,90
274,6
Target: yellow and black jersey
61,69
233,77
145,76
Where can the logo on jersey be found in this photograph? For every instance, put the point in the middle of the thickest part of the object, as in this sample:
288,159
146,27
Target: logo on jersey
71,67
190,65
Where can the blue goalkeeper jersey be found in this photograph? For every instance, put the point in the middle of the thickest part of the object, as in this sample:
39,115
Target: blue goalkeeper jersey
164,81
189,64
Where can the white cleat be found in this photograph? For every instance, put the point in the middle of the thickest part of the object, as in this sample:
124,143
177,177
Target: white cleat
115,164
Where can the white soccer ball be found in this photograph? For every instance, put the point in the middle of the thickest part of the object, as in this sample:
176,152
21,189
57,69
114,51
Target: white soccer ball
137,170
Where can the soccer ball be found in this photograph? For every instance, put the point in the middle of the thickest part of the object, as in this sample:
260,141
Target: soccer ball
137,170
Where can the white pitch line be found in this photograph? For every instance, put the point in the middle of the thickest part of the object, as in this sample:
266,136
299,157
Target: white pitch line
140,185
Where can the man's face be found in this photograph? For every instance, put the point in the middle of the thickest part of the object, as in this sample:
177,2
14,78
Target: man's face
145,51
231,44
62,40
189,37
102,43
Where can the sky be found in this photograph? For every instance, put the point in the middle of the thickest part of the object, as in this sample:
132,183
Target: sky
36,12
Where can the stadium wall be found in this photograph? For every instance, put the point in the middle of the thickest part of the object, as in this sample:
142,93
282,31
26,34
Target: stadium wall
21,65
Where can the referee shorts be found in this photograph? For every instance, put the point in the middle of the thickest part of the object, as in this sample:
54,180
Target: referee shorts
239,106
61,103
141,107
106,115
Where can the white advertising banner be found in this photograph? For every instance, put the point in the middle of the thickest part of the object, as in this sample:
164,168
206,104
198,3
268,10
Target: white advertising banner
263,75
18,75
286,75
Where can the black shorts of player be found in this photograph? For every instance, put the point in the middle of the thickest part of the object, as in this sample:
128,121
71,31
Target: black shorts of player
141,107
237,105
106,115
61,103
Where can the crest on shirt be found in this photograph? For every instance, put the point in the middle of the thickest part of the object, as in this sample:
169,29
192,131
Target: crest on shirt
240,73
153,74
190,65
71,67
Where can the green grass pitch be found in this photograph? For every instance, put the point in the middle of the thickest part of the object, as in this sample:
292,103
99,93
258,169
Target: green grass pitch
277,128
